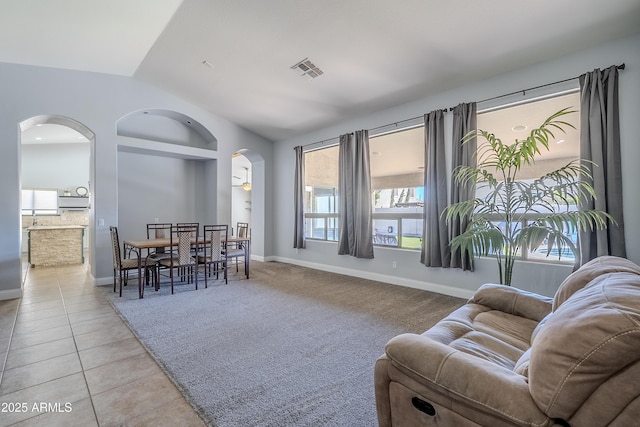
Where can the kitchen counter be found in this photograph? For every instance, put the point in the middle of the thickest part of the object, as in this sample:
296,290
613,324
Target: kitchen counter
51,245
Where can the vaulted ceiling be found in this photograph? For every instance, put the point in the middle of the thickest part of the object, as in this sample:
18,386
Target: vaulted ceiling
234,58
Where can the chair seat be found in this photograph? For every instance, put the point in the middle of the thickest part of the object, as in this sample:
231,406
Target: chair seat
235,252
202,259
128,263
156,257
167,262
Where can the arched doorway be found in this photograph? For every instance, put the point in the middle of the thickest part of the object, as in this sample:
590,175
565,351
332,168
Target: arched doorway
241,190
56,176
249,166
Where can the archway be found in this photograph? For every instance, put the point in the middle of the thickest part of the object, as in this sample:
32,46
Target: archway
255,174
56,155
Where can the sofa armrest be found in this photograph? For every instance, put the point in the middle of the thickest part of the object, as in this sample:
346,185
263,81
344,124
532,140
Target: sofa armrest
513,301
466,379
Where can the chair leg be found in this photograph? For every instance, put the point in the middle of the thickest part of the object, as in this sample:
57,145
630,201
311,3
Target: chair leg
121,282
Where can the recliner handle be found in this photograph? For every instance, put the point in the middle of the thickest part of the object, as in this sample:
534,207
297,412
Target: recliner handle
423,406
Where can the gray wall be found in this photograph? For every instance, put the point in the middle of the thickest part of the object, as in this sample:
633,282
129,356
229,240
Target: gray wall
155,187
538,277
98,101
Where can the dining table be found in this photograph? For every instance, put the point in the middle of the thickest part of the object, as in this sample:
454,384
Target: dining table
138,246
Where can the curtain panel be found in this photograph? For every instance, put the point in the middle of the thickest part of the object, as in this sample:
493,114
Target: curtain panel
435,237
464,121
600,144
355,208
298,200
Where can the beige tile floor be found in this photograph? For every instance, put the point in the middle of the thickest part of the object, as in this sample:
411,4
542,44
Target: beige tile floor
69,360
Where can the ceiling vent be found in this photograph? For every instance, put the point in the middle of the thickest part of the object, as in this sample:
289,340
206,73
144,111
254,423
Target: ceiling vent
307,69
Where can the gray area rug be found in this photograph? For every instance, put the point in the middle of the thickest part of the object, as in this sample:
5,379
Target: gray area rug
291,346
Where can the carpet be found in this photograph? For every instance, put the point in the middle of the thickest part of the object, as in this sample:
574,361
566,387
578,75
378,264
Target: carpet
291,346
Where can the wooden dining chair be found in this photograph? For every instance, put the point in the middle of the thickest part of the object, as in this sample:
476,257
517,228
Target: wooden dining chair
215,251
121,266
183,240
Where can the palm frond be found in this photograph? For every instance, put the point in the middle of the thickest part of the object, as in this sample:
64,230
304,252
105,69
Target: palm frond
513,203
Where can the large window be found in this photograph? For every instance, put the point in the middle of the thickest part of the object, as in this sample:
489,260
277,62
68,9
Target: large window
397,171
321,194
397,179
515,122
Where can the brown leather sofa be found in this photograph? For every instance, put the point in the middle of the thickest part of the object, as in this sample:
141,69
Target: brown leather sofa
514,358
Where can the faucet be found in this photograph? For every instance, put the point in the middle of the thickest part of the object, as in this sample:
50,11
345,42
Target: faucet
35,221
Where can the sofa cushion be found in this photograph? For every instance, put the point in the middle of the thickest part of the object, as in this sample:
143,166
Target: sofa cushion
513,301
591,336
488,334
589,271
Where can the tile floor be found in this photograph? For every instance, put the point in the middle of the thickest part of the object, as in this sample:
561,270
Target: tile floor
69,360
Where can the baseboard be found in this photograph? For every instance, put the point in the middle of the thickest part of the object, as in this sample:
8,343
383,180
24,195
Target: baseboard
11,294
103,281
393,280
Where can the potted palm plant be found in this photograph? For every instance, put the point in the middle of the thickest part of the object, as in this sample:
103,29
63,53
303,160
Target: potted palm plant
515,214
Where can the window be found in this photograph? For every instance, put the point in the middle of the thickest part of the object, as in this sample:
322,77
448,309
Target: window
397,185
321,194
39,202
515,122
397,177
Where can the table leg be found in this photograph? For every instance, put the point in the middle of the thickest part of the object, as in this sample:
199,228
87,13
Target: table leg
246,258
140,285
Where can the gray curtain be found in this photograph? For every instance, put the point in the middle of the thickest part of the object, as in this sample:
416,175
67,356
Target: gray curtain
354,184
600,143
435,241
298,200
464,121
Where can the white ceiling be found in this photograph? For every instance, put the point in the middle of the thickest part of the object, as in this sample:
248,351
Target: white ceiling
374,53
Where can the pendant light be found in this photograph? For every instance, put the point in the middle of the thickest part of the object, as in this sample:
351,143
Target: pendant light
246,185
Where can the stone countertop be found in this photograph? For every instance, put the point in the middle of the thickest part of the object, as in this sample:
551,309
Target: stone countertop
54,227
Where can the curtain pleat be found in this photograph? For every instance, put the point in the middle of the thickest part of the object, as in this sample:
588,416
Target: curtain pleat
600,144
435,243
464,121
355,209
298,200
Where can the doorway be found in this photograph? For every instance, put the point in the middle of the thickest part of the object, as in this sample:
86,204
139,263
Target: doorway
55,176
241,200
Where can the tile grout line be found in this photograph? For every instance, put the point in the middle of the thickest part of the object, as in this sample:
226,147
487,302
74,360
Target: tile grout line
75,344
13,328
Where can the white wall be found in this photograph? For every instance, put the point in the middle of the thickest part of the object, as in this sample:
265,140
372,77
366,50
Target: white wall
538,277
98,101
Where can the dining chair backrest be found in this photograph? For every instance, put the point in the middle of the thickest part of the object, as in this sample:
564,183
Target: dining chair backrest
243,229
158,230
189,224
115,243
215,237
184,238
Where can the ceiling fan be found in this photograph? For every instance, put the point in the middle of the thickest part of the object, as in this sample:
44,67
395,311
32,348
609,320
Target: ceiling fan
246,185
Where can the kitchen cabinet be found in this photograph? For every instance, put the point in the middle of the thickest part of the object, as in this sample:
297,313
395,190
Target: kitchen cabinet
73,202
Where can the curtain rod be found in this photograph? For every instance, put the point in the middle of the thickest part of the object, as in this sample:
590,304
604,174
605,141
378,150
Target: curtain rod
523,91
